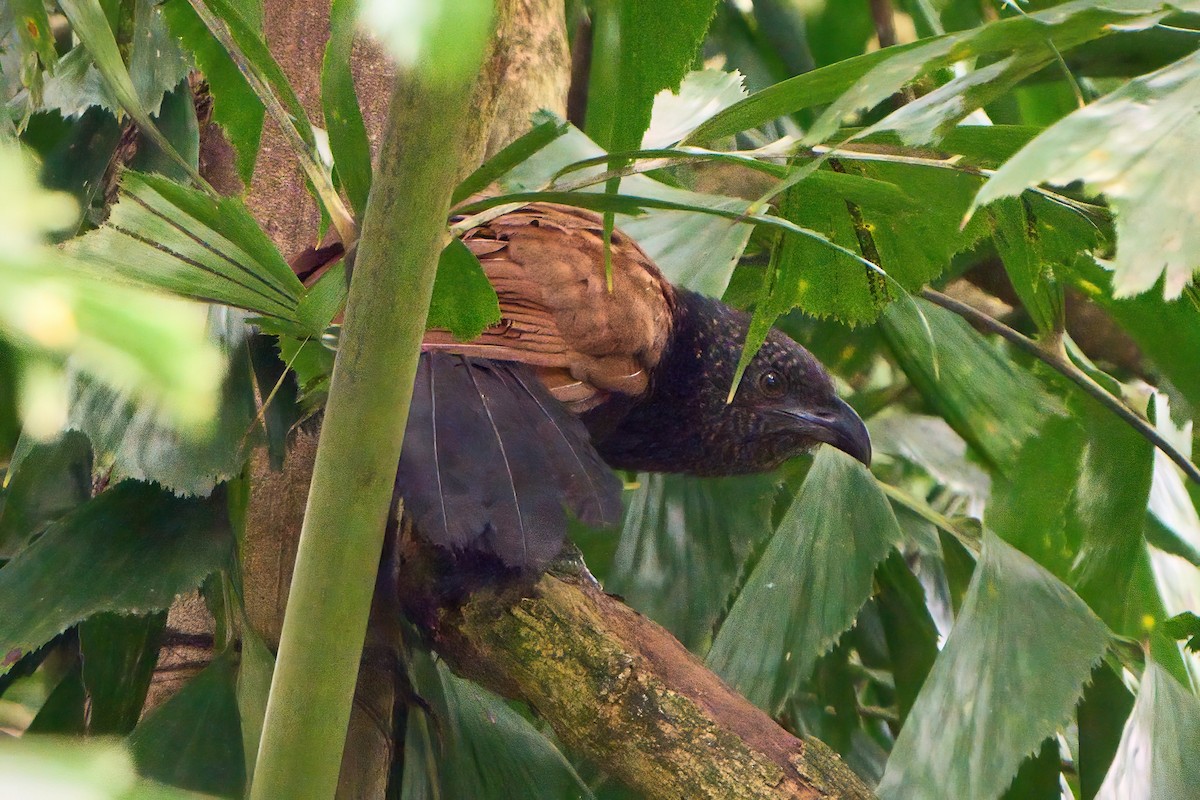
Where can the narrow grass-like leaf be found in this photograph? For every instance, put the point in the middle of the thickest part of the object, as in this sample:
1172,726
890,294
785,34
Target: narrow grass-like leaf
343,117
246,47
131,550
812,579
546,128
463,301
1131,146
1157,754
236,108
1009,676
194,740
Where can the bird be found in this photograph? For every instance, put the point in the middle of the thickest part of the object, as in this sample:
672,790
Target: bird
514,432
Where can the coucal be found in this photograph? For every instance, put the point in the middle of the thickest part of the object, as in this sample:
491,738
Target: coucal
517,429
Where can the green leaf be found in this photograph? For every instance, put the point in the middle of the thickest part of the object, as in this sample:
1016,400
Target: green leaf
1018,241
156,63
868,80
685,537
1102,714
132,438
813,88
65,710
961,375
255,668
655,52
52,480
1108,514
343,118
442,41
1133,147
700,95
131,550
141,343
77,86
880,235
177,121
912,637
33,32
546,128
89,23
165,236
1030,502
119,655
1186,628
76,161
463,302
812,579
324,299
1009,675
194,740
236,108
53,768
1167,332
1039,775
485,747
1157,754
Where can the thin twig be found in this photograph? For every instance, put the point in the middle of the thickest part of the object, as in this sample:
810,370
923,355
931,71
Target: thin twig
1068,369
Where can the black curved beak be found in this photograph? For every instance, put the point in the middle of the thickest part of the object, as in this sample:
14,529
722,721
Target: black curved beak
840,426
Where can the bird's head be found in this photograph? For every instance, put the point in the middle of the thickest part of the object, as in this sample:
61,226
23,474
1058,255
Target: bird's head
786,404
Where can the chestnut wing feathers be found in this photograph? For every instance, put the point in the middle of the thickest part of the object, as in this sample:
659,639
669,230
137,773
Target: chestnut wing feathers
558,315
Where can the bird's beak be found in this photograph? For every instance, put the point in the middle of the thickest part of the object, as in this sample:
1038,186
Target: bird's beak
839,426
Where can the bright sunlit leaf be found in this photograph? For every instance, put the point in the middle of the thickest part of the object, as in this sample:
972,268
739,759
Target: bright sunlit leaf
1134,146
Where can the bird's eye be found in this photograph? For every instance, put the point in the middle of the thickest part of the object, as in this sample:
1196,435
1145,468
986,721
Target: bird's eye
772,383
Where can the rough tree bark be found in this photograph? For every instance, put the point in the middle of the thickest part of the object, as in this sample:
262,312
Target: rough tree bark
619,688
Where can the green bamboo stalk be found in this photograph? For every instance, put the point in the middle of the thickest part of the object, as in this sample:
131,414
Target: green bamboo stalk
340,543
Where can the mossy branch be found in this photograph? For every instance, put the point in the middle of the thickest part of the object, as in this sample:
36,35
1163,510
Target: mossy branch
621,690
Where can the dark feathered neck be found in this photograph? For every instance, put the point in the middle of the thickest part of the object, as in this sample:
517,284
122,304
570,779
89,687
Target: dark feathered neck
673,428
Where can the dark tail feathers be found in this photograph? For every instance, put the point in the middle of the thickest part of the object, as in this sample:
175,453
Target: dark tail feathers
492,463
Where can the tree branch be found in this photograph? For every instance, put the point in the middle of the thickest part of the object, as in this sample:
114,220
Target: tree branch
1068,369
621,690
